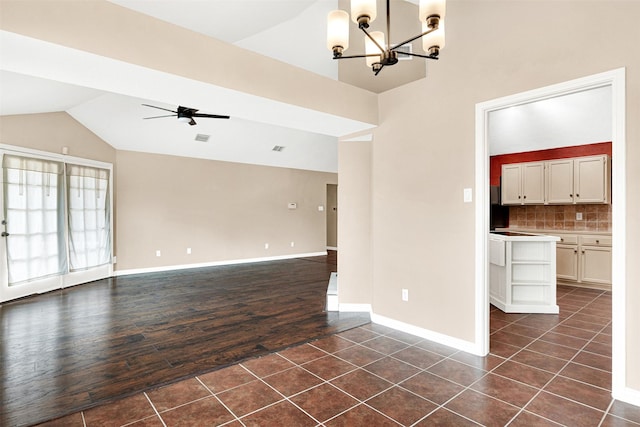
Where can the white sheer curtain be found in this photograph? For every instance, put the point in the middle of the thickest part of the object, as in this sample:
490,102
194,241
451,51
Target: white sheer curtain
35,218
88,217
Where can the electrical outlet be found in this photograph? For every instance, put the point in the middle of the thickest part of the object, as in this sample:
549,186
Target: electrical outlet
188,251
157,253
578,216
266,246
405,295
114,259
293,244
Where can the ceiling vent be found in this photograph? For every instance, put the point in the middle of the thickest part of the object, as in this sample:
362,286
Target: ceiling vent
277,148
402,52
202,137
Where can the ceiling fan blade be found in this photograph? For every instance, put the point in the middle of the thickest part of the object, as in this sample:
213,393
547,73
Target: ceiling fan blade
192,122
159,108
158,117
211,116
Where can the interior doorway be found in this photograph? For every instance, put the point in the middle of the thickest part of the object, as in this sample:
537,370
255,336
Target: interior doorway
616,80
332,217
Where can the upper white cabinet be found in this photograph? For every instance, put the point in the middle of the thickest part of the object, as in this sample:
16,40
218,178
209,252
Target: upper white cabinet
562,181
591,179
523,183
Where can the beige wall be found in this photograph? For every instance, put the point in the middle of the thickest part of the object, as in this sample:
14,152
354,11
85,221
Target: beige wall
52,131
354,220
332,215
423,155
222,211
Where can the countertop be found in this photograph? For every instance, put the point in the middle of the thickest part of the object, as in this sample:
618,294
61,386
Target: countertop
552,232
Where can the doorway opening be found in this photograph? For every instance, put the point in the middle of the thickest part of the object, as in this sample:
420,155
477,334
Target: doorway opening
616,80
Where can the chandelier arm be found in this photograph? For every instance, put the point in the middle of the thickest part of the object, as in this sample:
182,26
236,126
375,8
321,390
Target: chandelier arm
356,56
414,38
388,25
372,39
378,70
421,56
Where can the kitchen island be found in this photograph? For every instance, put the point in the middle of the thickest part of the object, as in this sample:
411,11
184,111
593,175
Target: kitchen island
522,272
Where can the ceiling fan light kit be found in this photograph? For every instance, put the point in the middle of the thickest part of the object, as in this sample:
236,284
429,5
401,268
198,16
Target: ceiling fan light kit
378,52
184,114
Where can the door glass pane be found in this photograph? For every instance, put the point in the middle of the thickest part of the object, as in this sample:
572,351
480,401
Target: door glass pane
89,217
32,210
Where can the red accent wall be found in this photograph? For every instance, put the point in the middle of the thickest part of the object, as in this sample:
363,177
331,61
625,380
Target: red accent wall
496,162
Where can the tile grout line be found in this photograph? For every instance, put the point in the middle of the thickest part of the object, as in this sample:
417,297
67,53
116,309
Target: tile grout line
219,400
154,409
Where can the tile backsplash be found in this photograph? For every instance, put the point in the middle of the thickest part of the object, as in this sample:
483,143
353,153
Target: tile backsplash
552,217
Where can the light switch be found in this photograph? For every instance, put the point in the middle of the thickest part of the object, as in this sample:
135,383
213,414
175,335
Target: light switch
292,205
320,208
468,195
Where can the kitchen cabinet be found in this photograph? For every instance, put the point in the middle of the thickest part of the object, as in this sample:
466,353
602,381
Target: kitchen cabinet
523,183
561,182
522,272
584,260
567,258
591,179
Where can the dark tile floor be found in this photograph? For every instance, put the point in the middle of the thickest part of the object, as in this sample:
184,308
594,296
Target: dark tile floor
542,370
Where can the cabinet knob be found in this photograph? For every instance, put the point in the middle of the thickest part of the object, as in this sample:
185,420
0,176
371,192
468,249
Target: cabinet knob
597,241
525,197
518,197
570,195
583,251
561,239
577,195
575,251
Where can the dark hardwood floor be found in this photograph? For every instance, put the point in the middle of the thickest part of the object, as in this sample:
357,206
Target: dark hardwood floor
77,348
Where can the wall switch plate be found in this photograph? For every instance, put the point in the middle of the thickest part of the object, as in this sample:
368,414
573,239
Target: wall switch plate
266,246
292,205
293,244
578,216
468,195
158,253
114,259
188,251
405,295
320,208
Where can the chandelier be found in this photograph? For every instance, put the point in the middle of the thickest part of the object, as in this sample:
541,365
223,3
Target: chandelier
379,54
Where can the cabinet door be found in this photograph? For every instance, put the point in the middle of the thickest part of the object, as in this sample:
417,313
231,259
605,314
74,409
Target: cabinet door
560,181
567,262
533,183
511,185
591,181
595,264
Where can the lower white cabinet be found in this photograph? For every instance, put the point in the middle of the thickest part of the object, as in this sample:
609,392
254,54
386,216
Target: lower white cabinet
522,272
584,259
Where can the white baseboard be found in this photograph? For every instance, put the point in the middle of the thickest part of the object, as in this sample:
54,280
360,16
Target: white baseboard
459,344
213,264
628,395
332,248
355,308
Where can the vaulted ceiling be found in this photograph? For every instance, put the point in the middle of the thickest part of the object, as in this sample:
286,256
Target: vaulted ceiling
291,31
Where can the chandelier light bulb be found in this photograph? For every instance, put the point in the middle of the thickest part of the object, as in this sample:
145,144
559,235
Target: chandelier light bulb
433,42
363,12
338,31
370,47
429,8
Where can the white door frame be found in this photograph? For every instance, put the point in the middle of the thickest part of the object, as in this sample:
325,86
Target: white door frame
615,79
69,278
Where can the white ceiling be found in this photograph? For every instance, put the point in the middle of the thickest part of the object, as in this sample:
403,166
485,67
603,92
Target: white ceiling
574,119
36,77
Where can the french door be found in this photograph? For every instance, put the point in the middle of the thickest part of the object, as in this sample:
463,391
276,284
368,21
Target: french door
56,223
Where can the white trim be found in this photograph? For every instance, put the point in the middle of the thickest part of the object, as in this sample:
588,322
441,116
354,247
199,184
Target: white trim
447,340
332,248
55,156
628,395
615,79
213,264
354,308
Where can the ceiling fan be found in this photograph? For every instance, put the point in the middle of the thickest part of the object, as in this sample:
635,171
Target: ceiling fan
185,114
